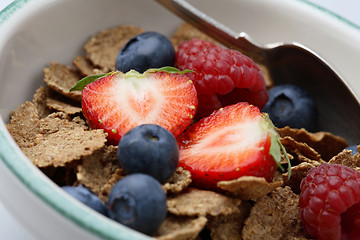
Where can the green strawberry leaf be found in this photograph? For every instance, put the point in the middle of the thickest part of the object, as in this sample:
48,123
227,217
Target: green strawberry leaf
169,70
276,147
86,80
91,78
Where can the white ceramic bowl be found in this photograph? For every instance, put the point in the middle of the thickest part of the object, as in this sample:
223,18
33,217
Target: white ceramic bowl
34,32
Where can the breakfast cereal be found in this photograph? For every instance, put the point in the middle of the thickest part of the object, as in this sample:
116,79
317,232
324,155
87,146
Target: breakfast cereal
325,143
229,226
300,150
61,78
84,65
274,216
178,182
249,187
98,168
24,125
298,172
103,47
53,134
106,188
76,143
196,202
346,158
182,228
187,32
40,99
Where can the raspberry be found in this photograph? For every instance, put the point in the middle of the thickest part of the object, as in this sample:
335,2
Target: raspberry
222,76
330,202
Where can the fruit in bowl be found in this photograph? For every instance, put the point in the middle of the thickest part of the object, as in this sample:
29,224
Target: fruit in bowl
221,76
115,138
144,51
97,156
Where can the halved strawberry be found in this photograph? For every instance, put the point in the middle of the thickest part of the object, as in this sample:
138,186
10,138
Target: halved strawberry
118,102
234,141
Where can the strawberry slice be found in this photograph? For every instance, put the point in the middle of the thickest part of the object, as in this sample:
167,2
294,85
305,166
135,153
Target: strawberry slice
118,102
234,141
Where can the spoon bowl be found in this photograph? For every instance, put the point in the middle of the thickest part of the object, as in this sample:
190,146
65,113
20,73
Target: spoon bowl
288,63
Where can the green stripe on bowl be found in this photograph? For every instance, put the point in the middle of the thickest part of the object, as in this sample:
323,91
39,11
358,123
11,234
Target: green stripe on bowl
11,9
322,9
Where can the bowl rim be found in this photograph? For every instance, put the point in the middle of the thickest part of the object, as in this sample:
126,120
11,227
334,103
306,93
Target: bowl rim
18,4
31,177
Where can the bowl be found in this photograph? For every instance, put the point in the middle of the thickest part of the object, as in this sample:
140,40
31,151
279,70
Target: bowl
34,32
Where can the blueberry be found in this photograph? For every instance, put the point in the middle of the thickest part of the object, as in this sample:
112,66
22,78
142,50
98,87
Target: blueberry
144,51
139,202
149,149
87,197
353,149
290,105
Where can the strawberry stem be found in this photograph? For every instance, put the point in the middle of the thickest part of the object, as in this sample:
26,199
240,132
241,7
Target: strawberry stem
286,156
276,147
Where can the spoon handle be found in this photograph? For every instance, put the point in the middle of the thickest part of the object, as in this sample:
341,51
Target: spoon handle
215,29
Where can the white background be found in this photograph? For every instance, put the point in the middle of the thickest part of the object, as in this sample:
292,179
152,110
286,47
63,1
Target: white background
4,3
348,9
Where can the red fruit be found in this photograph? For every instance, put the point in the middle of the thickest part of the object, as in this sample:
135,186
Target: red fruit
330,202
232,142
119,102
225,76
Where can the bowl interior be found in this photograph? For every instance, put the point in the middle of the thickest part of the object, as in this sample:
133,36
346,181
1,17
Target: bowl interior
33,33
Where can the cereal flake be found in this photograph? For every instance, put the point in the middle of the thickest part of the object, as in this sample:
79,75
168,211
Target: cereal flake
61,79
59,121
97,169
178,182
297,149
65,146
24,125
61,106
39,101
180,228
187,32
274,216
196,202
103,47
224,227
249,187
325,143
298,172
345,158
106,188
84,65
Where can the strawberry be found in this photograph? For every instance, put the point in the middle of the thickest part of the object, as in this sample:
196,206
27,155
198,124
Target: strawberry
221,76
234,141
118,102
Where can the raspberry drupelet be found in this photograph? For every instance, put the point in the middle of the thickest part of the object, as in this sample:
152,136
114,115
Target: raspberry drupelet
330,202
221,76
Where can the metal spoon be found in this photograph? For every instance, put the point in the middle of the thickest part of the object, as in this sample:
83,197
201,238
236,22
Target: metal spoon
339,110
